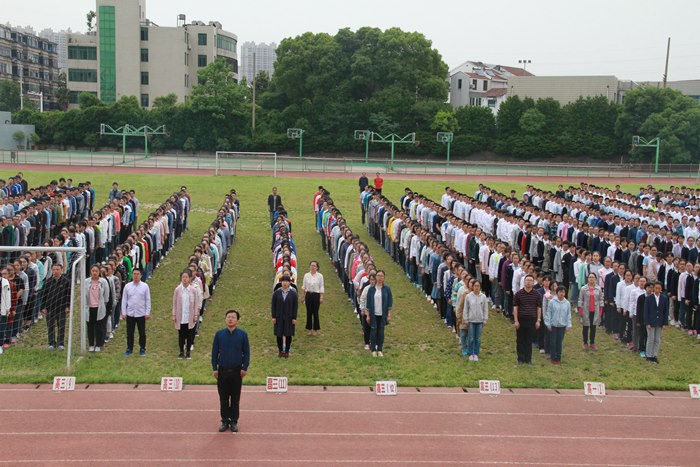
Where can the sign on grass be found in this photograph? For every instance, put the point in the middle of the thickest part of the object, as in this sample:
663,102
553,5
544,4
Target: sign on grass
64,383
276,384
489,386
171,383
591,388
695,391
386,388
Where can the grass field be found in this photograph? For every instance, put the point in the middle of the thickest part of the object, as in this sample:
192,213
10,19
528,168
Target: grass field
419,350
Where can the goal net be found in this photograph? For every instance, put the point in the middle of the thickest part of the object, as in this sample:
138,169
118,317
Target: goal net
40,324
257,161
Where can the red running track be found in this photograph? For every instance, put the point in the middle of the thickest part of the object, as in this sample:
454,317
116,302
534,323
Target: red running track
127,425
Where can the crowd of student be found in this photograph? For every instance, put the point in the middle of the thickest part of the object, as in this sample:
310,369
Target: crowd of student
198,280
116,253
584,239
361,281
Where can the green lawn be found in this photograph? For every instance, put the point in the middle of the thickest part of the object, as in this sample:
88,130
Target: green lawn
419,350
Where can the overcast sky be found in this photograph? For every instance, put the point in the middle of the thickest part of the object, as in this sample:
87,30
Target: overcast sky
625,38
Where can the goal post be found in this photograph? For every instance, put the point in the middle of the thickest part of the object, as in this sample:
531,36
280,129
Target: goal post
29,344
241,160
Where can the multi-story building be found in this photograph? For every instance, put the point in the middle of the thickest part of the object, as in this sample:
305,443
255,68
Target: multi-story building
61,40
564,89
265,57
31,61
129,55
481,84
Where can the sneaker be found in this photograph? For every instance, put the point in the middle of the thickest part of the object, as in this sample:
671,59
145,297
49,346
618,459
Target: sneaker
471,358
234,427
1,350
111,335
51,347
13,340
643,354
380,354
60,347
594,347
698,336
188,356
366,347
464,354
181,356
224,426
142,352
585,347
128,352
541,350
690,333
91,349
97,349
374,354
192,347
5,346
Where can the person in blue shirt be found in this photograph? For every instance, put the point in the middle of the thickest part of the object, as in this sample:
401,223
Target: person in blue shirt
230,357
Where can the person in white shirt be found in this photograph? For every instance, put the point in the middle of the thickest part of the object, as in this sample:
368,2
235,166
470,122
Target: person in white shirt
633,293
312,291
186,304
621,302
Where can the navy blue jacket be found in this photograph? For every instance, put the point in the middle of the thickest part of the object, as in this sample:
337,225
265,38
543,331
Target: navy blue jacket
656,315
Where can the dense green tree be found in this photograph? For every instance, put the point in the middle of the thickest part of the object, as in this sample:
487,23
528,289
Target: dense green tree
9,96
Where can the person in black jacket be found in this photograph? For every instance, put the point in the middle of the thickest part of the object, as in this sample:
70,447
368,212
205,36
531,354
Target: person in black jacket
274,201
55,305
285,304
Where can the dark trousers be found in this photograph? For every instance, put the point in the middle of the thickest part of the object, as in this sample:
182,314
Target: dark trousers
56,323
229,385
376,335
364,213
486,284
313,303
95,329
556,341
281,345
591,316
131,323
525,335
185,337
365,329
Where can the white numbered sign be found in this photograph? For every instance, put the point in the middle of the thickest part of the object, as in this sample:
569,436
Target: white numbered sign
386,388
170,383
276,384
489,386
64,383
591,388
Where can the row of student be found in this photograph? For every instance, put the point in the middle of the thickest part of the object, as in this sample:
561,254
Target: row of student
285,299
515,275
125,269
364,284
13,186
198,280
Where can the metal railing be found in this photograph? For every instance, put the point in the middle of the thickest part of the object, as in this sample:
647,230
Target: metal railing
349,165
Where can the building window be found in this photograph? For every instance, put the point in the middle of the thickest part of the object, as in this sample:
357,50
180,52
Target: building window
226,43
74,96
459,83
82,53
144,100
201,60
187,59
108,62
3,67
486,85
202,38
144,55
144,77
492,103
187,81
144,34
473,84
82,76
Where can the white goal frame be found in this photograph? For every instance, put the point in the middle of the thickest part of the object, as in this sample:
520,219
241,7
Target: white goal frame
78,265
242,153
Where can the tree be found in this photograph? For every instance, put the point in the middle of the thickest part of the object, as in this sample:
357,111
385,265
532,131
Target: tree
62,92
88,99
445,121
20,138
9,96
167,101
262,82
34,139
532,122
90,17
190,145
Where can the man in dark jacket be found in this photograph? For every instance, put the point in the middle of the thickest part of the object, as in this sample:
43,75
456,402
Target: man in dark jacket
655,319
55,301
285,304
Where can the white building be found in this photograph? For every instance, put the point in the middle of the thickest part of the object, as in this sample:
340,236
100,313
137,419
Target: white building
61,40
265,58
481,84
129,55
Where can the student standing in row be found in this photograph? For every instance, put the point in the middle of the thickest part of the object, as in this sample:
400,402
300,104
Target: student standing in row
136,310
312,291
186,304
557,319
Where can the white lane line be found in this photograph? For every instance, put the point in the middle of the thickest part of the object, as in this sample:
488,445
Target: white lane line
233,461
348,434
363,412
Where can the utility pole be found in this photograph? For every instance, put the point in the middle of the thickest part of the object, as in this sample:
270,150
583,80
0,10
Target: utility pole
254,82
668,50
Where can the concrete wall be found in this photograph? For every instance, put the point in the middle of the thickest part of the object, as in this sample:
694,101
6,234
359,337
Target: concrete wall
8,129
565,89
166,67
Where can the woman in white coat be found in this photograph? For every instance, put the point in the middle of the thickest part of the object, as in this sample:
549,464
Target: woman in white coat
186,301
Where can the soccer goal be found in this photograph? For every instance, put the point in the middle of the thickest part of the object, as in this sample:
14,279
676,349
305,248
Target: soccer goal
233,160
38,329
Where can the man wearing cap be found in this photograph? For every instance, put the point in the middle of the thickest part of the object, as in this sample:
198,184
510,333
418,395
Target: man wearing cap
284,315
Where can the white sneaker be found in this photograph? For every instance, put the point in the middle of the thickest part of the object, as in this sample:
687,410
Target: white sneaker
379,354
374,354
111,335
476,358
541,350
1,350
471,358
698,336
366,347
91,349
192,347
97,349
